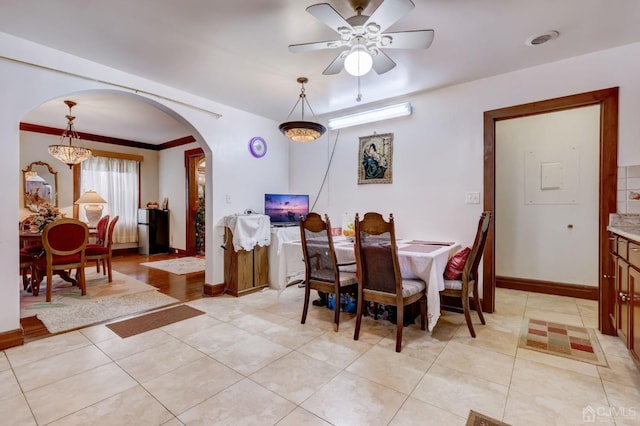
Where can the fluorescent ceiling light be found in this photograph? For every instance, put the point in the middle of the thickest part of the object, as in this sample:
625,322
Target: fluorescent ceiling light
378,114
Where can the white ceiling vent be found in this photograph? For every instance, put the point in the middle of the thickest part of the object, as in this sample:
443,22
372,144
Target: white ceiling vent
542,38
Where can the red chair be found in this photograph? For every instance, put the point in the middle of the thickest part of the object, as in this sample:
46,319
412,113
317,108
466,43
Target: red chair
101,230
101,235
102,252
64,242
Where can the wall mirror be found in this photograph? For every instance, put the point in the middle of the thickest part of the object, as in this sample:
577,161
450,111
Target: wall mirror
40,183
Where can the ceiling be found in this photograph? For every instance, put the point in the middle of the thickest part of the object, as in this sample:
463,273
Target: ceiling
235,52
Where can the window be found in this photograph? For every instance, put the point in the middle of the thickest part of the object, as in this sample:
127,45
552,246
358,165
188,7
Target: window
116,178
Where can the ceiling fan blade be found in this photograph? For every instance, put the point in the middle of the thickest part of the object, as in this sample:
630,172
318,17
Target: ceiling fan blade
326,14
418,39
308,47
389,12
336,66
382,63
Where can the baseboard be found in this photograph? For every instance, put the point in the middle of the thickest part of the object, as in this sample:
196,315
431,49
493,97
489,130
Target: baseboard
180,252
214,289
548,287
125,251
12,338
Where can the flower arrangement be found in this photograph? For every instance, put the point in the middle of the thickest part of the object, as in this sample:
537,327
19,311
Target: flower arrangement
47,213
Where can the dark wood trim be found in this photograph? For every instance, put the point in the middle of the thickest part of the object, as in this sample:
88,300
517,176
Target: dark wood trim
548,287
129,251
191,159
180,252
36,128
608,101
214,289
177,142
9,339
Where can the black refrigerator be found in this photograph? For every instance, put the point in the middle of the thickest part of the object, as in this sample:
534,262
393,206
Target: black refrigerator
153,231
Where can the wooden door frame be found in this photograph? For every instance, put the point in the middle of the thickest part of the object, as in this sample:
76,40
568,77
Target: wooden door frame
607,191
191,159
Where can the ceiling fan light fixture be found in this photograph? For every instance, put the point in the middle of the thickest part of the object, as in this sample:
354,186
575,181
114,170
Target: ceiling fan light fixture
302,131
358,62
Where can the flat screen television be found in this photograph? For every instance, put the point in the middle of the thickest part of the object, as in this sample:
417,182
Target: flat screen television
285,209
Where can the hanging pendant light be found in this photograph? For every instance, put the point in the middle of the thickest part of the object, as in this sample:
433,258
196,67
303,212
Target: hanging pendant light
302,131
69,153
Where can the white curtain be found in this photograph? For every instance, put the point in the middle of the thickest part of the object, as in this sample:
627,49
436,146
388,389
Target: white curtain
116,180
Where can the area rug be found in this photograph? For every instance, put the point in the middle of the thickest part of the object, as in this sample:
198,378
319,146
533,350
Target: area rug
68,309
477,419
142,323
180,266
577,343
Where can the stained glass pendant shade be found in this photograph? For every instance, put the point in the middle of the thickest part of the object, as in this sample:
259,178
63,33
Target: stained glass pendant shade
66,151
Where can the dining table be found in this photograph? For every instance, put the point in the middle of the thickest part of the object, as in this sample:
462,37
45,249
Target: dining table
418,259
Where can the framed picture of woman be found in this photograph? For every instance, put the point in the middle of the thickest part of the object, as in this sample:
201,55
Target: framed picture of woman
375,159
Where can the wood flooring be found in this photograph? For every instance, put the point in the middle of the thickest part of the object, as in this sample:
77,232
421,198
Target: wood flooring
182,287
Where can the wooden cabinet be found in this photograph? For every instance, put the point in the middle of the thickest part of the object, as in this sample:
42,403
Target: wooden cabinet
626,255
244,271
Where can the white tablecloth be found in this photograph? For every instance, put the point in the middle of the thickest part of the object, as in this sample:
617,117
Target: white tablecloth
277,273
417,260
249,230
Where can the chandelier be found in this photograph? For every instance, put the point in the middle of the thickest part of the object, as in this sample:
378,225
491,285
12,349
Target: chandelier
302,131
68,153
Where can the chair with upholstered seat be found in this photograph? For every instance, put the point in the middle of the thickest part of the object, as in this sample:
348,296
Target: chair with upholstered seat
322,270
102,252
101,236
26,270
29,252
64,241
101,229
467,286
380,280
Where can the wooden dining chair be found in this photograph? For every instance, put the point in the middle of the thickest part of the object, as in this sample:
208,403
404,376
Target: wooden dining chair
467,286
322,270
102,253
64,241
101,230
380,280
29,252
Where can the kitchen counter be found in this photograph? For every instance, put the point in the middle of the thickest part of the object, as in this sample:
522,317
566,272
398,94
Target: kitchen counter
625,225
631,232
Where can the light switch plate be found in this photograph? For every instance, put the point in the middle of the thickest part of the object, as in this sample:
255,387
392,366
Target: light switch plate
472,198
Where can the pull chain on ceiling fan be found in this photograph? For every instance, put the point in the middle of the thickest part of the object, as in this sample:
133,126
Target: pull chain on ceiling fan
362,36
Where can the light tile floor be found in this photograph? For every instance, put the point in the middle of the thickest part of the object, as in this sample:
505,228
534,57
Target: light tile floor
249,361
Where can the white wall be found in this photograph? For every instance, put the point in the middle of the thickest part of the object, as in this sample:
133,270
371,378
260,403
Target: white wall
533,238
33,147
438,151
225,139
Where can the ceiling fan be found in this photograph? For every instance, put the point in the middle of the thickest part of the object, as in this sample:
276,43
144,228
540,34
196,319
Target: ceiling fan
362,37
